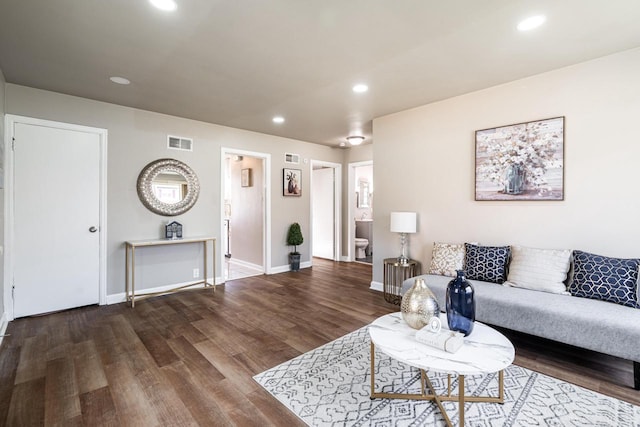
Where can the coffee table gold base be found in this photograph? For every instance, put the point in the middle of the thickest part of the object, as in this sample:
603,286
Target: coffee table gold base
438,398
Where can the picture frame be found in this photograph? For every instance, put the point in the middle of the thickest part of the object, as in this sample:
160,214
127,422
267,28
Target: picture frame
291,182
522,161
245,177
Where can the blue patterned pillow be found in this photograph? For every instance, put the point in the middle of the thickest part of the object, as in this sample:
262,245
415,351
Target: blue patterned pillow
608,279
486,263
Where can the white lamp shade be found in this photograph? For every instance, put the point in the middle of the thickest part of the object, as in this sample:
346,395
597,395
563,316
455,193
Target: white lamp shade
403,222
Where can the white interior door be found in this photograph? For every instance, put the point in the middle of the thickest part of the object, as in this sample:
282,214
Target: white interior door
323,213
56,211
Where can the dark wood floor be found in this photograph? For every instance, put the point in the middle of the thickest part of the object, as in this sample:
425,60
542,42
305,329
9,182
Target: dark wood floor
189,358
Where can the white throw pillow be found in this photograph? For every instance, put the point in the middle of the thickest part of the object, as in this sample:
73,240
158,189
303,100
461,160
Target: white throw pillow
446,259
539,269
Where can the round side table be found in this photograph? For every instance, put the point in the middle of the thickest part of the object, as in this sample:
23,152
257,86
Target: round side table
394,274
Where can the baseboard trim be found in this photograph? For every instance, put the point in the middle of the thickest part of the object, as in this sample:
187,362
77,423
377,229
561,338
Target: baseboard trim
246,264
286,268
122,297
4,322
377,286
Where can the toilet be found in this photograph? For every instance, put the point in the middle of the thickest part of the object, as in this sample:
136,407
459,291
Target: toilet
361,245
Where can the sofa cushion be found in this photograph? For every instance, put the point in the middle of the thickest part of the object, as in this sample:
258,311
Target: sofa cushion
607,279
593,324
446,259
486,263
539,269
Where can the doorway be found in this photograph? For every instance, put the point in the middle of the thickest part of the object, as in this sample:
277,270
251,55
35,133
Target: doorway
361,212
326,195
55,216
245,200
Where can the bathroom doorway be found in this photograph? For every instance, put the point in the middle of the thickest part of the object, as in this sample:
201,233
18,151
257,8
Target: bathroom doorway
361,239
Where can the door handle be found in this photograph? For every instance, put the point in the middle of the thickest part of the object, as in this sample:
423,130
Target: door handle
92,229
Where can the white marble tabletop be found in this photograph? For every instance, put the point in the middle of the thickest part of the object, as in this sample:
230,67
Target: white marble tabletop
485,350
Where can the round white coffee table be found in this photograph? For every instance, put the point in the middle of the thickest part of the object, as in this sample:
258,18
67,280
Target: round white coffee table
484,351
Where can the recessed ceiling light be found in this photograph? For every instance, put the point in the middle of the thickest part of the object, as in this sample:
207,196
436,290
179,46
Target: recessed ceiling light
360,88
531,23
119,80
168,5
355,139
278,119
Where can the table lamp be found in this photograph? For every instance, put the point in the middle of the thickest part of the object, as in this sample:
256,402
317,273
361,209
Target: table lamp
403,223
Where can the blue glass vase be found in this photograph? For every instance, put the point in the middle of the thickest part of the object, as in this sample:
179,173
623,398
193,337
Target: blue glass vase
461,306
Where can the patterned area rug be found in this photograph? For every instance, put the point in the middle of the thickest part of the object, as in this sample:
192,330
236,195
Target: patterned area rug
330,386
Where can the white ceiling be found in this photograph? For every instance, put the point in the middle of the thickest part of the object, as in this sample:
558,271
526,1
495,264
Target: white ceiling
240,62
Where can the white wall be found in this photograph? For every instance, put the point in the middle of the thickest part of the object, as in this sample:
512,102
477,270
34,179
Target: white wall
137,137
424,161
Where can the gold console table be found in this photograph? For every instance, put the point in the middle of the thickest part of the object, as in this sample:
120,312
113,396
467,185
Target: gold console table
130,267
394,274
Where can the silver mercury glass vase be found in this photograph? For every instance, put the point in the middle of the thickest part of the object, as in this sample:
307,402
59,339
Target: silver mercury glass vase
419,305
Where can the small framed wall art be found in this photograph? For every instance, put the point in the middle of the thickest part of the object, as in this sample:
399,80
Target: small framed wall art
524,161
245,178
292,182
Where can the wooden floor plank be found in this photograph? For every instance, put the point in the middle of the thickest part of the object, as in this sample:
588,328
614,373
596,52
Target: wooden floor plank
9,359
27,404
98,408
189,358
33,361
88,367
62,401
132,405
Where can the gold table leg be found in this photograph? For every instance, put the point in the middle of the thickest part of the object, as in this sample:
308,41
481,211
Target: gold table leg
126,272
460,397
133,276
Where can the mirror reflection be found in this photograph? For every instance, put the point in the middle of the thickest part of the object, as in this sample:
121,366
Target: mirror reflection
168,187
364,195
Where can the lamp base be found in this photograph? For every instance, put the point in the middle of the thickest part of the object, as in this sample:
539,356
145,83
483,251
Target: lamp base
403,260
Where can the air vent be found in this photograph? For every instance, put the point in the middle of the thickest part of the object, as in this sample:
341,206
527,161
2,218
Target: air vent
179,143
292,158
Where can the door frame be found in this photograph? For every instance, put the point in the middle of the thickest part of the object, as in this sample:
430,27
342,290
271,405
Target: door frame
351,229
266,202
337,205
10,122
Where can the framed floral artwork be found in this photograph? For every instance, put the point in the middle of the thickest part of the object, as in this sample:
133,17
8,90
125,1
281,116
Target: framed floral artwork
524,161
292,182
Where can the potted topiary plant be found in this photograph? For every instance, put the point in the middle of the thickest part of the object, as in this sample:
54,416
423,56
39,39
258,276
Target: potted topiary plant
294,238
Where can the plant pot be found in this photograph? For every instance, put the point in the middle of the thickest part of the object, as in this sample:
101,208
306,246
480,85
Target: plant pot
294,261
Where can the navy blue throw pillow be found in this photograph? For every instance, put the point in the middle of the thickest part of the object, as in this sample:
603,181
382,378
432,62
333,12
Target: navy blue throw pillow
486,263
607,279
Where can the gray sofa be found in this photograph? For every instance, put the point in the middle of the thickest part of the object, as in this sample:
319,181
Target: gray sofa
588,323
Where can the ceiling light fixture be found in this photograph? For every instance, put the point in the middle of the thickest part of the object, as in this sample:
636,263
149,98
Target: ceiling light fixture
360,88
355,139
531,23
120,80
168,5
278,119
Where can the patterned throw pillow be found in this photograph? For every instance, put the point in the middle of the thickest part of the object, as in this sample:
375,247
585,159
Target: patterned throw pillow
608,279
446,259
486,263
539,269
